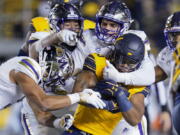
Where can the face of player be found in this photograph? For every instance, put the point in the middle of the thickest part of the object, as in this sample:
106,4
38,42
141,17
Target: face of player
111,27
71,25
125,65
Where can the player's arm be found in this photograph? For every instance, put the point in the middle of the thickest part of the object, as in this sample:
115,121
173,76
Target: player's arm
35,94
134,114
85,79
160,74
48,119
65,36
40,44
136,78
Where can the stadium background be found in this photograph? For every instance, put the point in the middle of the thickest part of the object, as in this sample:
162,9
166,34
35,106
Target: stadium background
15,16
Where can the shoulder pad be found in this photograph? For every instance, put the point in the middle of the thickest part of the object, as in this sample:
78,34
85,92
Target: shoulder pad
30,67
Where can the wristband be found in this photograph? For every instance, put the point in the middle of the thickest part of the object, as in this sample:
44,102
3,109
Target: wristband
74,97
123,102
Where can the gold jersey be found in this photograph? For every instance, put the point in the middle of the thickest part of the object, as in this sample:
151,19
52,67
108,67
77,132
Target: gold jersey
96,121
40,24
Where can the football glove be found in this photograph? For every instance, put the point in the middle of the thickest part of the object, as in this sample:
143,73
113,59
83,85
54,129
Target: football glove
65,122
68,37
89,96
106,88
110,72
109,89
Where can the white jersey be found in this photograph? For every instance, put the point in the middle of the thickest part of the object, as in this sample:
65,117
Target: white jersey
168,63
9,91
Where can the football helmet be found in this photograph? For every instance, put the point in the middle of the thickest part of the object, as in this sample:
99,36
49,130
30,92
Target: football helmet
172,28
129,51
57,65
62,12
117,12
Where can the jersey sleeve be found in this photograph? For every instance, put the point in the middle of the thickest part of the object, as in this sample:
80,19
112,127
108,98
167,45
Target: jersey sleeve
29,67
164,60
96,64
135,89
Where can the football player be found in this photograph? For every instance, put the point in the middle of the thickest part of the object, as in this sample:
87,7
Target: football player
128,56
168,62
64,18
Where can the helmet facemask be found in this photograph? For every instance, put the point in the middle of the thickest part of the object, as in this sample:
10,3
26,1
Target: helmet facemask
172,30
62,13
103,34
171,38
125,64
116,12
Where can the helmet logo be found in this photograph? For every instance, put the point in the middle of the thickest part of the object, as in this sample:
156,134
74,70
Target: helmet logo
129,54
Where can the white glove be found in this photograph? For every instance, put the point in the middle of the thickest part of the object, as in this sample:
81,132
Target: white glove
91,97
110,72
68,37
65,122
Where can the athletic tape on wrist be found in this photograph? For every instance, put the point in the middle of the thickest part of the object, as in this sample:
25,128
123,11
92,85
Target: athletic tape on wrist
74,97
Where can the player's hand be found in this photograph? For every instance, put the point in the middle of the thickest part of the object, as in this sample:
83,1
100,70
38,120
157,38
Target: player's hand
89,96
66,121
68,37
110,72
107,89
